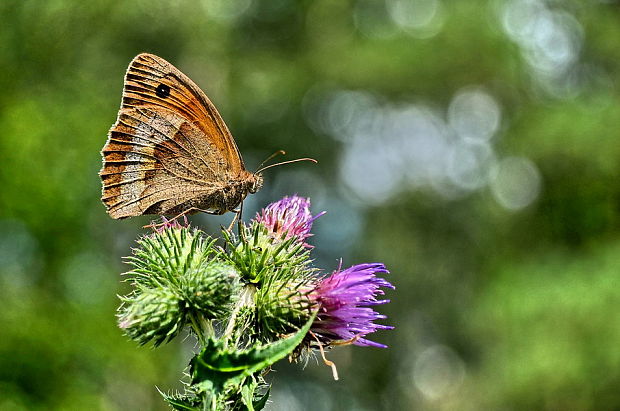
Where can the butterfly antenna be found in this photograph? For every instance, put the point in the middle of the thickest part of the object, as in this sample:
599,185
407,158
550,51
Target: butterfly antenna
286,162
277,153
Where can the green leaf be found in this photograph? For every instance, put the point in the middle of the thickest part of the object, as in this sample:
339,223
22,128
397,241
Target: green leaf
216,367
251,401
260,403
247,394
182,402
182,405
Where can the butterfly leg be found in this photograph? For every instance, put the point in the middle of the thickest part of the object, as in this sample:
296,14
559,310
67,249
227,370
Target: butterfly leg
237,218
171,222
239,215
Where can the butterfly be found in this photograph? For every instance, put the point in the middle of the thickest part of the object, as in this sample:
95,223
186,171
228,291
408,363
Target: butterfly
169,151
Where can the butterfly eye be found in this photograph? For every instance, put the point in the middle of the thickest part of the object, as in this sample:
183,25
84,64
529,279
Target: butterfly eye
162,91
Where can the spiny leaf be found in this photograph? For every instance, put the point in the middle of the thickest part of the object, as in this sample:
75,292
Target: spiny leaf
260,403
215,366
251,400
182,402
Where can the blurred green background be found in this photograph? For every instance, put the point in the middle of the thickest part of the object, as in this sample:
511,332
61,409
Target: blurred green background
472,146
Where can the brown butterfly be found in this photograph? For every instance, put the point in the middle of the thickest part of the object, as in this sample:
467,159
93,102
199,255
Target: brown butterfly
169,151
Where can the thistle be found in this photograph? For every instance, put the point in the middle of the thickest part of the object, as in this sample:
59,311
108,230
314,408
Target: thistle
345,299
288,218
251,301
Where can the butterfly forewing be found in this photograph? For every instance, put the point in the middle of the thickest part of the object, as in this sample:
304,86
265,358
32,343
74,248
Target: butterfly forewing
151,80
169,149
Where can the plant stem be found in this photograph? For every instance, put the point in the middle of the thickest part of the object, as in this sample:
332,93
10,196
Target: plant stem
246,299
198,330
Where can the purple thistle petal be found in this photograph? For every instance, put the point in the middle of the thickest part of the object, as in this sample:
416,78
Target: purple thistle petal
289,217
170,224
344,299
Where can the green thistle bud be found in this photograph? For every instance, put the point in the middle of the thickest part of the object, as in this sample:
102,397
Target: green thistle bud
168,255
151,314
259,257
179,279
210,289
282,307
279,272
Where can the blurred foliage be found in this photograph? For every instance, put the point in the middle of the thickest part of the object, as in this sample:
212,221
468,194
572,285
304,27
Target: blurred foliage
503,301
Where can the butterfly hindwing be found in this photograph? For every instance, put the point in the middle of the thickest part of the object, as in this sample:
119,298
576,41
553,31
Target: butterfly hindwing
150,159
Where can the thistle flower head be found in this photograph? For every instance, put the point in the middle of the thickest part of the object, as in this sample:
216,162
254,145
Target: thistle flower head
287,218
345,299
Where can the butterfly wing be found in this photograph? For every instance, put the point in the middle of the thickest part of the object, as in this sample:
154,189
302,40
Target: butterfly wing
169,145
151,80
152,165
